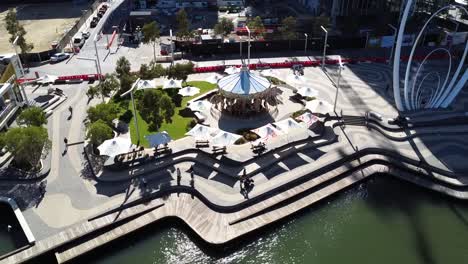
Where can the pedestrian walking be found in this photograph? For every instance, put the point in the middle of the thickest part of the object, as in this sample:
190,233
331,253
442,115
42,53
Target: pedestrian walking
179,176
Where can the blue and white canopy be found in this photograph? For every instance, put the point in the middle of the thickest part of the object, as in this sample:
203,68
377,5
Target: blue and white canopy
244,83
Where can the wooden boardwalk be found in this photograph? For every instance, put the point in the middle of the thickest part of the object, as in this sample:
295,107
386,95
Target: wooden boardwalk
212,226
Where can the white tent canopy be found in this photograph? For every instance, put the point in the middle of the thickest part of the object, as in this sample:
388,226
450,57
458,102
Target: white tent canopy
189,91
47,79
146,84
267,131
224,138
296,80
287,124
270,73
307,119
200,106
171,83
232,70
319,106
201,132
115,146
308,92
157,139
214,78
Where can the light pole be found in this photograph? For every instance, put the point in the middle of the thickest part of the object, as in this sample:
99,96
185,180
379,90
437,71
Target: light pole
248,48
172,48
95,62
324,46
305,44
395,30
97,57
338,83
134,108
19,59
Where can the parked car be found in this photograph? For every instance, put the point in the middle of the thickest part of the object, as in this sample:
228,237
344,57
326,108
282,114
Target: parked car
85,34
57,57
78,41
100,14
94,22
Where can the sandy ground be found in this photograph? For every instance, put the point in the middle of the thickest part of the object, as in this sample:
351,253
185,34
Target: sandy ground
44,23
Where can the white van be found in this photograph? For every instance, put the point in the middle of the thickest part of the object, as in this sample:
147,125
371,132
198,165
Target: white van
78,41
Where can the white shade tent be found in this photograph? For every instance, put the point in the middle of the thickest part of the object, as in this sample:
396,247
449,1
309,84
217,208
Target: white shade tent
232,70
159,138
201,132
200,106
171,83
115,146
308,92
307,119
319,107
296,80
145,84
270,73
224,138
214,78
47,79
267,132
189,91
287,125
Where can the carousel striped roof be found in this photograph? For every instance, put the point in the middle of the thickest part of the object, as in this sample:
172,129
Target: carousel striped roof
244,83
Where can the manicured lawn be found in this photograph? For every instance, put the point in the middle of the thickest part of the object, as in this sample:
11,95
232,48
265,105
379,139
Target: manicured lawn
178,127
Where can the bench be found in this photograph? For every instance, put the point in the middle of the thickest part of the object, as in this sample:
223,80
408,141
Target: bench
219,150
202,143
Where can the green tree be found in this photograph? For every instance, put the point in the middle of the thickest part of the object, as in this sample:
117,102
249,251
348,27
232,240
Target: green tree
145,72
32,116
157,70
92,92
256,26
98,132
224,27
104,88
126,83
105,112
27,145
151,35
288,28
122,67
155,107
180,71
183,25
16,30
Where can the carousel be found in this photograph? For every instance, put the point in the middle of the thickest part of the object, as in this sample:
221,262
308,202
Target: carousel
245,93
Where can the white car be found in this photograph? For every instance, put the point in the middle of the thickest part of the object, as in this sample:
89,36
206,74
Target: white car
59,57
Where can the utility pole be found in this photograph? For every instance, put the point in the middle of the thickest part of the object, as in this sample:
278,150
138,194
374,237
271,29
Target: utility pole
324,46
305,45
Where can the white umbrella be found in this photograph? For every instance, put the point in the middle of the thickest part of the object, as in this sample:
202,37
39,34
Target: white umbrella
267,131
201,132
157,139
232,70
319,106
270,73
307,92
146,84
200,106
307,119
296,80
115,146
47,79
214,78
171,83
287,124
189,91
224,138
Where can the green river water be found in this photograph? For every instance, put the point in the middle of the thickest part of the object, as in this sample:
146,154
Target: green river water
381,221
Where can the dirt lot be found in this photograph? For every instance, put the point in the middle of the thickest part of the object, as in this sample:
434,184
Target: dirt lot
44,23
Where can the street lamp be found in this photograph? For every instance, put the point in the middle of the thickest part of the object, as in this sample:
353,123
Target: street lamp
97,57
134,108
172,48
19,59
248,48
324,46
395,30
305,45
95,61
338,82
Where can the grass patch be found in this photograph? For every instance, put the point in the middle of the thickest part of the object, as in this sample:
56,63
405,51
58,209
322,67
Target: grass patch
177,128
